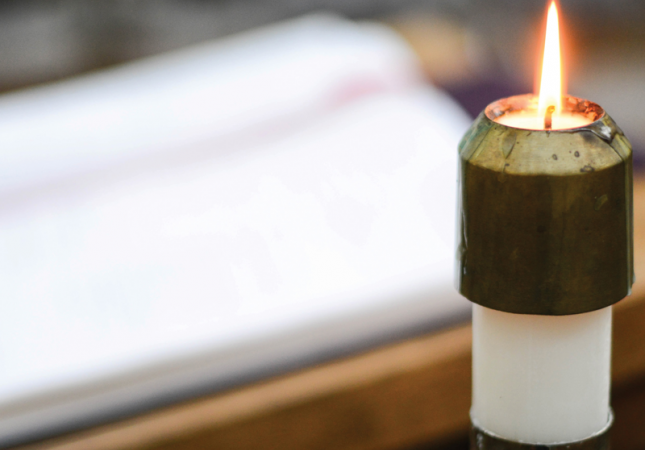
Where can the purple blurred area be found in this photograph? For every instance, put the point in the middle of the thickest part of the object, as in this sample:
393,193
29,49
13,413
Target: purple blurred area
475,97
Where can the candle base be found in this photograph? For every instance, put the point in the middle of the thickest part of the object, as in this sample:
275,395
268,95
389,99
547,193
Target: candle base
483,440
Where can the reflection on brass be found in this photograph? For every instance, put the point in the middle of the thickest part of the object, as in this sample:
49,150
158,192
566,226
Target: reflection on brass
483,440
545,216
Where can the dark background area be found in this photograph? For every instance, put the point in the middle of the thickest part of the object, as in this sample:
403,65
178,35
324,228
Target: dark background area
43,40
477,50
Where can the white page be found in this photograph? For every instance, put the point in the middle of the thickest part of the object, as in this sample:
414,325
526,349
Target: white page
154,282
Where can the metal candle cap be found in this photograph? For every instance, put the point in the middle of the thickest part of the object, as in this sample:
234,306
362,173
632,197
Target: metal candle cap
545,216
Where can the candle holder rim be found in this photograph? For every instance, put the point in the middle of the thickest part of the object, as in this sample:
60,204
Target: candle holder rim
571,104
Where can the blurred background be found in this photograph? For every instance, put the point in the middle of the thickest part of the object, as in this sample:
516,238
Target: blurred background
201,195
462,44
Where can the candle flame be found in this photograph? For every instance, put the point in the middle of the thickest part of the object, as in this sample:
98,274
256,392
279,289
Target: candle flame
551,79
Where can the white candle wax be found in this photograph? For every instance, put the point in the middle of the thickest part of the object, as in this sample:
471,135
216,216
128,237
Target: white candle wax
541,379
530,120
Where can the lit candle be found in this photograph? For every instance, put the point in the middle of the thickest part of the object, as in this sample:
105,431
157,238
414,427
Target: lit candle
545,250
533,116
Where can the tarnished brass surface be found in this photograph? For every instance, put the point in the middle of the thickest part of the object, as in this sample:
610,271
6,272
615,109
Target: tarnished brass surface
545,216
482,440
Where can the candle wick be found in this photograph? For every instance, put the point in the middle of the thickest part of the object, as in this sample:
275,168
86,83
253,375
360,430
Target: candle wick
548,117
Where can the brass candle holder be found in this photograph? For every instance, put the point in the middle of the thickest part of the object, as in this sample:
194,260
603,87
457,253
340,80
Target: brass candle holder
546,220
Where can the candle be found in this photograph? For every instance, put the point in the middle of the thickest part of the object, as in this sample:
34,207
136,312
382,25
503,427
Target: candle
545,249
530,120
541,379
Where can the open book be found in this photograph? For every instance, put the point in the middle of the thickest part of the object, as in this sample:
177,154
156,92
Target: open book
210,217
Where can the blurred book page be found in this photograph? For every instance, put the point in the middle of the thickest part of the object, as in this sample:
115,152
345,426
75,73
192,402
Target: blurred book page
187,244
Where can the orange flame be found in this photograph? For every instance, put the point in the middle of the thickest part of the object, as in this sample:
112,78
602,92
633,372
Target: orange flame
551,79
